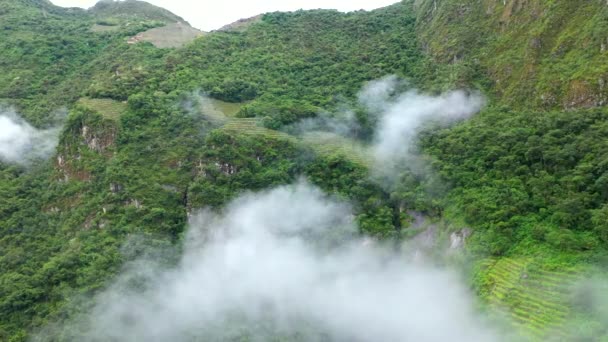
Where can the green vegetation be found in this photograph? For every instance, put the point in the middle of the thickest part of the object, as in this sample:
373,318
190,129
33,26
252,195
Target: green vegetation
538,183
533,54
112,12
287,79
139,152
49,54
531,191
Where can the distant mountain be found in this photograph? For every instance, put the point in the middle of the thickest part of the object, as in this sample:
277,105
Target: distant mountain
130,8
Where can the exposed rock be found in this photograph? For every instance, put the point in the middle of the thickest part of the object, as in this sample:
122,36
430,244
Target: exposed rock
97,141
226,168
68,172
116,187
170,188
548,99
60,161
458,239
581,94
135,203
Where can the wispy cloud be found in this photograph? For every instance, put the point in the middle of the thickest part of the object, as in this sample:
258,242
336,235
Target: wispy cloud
401,117
21,143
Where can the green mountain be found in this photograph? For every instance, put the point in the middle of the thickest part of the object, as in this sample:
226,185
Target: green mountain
130,10
140,149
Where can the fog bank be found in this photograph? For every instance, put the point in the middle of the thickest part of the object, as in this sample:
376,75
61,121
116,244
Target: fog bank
286,262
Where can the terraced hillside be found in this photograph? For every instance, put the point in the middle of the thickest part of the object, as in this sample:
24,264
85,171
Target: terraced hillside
325,143
528,174
322,143
533,298
218,111
108,108
173,35
252,126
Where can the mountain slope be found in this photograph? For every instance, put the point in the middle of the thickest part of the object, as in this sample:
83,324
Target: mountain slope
49,51
138,152
104,185
527,173
537,54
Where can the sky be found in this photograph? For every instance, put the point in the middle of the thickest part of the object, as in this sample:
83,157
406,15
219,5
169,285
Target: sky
209,15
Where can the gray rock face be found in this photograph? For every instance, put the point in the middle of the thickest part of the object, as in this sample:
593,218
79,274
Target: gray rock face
458,239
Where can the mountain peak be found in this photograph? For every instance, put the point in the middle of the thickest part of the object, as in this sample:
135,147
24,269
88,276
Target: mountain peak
129,8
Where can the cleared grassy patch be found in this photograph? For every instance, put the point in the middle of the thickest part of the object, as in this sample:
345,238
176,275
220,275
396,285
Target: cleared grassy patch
108,108
169,36
325,143
322,143
251,126
104,28
219,111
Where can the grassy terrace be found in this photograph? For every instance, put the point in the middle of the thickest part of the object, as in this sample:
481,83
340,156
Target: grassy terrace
322,143
252,126
108,108
535,299
105,28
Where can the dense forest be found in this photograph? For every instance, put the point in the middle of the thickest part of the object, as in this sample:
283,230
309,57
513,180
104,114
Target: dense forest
137,153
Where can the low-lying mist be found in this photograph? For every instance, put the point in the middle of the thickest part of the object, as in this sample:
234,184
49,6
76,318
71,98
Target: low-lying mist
20,143
289,263
398,113
286,262
401,118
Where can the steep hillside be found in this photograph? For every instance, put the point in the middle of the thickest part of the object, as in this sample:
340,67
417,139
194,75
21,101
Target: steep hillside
50,53
537,54
152,134
138,169
290,64
528,172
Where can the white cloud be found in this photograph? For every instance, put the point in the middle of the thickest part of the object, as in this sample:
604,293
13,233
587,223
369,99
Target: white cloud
209,15
401,117
284,261
21,143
